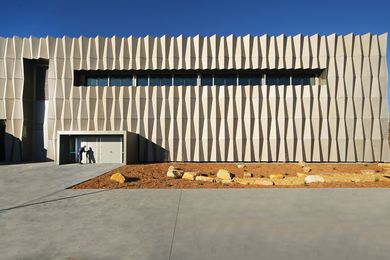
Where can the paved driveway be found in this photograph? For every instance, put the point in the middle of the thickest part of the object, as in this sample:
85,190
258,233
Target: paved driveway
198,224
23,183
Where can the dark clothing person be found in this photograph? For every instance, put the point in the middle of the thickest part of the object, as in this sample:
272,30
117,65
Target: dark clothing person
81,151
91,156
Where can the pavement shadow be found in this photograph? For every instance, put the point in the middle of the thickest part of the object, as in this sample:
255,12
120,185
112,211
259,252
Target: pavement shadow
49,201
131,179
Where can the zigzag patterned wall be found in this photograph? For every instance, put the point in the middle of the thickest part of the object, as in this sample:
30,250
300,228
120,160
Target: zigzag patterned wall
343,118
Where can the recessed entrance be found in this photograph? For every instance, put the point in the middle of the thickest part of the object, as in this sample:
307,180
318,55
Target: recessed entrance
98,148
35,104
101,149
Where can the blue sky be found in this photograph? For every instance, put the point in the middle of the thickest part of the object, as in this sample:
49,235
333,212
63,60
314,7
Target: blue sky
204,17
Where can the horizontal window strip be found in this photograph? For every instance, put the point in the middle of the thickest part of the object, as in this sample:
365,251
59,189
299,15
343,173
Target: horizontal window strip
196,78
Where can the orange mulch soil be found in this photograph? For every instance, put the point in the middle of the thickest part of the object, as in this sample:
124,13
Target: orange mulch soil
153,176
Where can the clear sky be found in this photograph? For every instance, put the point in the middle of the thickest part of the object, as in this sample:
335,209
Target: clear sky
204,17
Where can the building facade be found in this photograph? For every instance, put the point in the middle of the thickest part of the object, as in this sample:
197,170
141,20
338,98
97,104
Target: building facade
250,98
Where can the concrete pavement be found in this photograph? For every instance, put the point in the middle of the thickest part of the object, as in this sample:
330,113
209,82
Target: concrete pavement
22,183
199,224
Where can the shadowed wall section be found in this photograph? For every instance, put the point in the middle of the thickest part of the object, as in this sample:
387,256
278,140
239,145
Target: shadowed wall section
343,118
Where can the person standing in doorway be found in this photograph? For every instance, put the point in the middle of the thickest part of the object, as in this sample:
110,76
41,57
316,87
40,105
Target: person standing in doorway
81,151
90,156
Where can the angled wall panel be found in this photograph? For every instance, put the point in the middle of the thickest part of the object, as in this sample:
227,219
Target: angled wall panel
342,118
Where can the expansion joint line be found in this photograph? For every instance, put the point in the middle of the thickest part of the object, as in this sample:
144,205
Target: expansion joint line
174,228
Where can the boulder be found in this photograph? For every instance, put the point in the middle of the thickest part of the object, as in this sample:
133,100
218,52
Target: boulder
190,175
306,169
314,179
368,172
248,175
204,178
266,182
302,163
240,166
289,181
223,181
276,176
174,172
118,177
224,174
355,180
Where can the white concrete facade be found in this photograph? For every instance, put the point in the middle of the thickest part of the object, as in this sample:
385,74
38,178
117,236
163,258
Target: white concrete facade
342,118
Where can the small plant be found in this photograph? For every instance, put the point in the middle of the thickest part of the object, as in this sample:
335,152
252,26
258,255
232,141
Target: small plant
376,178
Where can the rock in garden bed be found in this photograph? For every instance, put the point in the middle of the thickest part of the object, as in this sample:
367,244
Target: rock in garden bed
118,177
190,175
174,172
314,179
204,178
154,175
224,174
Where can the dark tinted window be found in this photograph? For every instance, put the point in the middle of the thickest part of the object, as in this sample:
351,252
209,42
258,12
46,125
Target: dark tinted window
278,80
92,82
166,80
154,81
231,80
207,80
121,81
115,82
190,78
178,81
299,80
271,80
249,80
160,80
302,80
185,80
225,79
284,80
102,81
127,81
142,80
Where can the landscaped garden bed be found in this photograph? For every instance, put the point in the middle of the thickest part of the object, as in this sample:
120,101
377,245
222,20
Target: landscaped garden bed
242,175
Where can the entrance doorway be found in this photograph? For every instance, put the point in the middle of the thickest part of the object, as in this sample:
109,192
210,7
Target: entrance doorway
98,148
